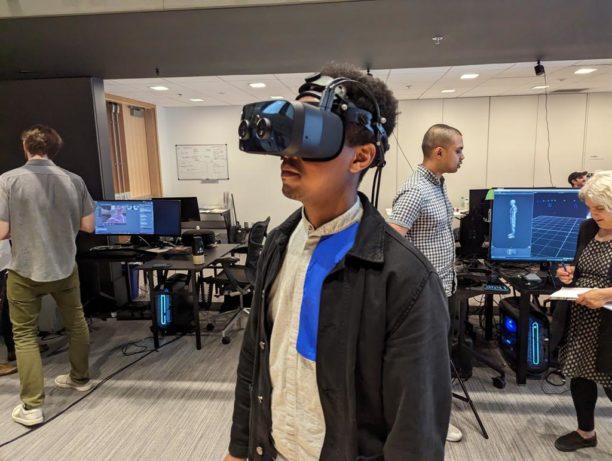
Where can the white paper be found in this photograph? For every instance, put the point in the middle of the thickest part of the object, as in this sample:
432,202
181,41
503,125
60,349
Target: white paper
571,293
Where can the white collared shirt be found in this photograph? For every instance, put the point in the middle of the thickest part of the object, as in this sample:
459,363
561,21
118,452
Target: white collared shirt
298,425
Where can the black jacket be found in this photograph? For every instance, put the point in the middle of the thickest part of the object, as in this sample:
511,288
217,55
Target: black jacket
588,230
382,356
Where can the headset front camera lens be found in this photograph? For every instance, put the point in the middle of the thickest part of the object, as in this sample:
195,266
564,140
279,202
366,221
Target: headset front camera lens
263,128
243,130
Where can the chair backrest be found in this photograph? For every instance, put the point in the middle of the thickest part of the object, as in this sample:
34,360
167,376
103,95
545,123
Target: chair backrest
255,245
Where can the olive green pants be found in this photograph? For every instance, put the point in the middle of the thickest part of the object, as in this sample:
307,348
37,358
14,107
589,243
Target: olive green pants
25,297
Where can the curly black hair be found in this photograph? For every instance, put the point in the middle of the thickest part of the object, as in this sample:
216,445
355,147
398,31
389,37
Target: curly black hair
355,134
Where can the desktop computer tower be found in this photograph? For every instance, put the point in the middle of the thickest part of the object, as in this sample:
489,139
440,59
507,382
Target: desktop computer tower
538,353
173,305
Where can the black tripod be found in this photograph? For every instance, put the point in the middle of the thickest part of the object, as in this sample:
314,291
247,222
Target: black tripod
466,398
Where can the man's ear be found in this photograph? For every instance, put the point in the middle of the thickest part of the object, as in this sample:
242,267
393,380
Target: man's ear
362,158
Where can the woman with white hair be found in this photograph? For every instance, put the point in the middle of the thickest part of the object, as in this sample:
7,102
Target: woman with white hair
586,356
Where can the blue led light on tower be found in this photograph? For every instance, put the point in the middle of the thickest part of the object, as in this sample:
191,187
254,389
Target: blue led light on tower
163,306
510,324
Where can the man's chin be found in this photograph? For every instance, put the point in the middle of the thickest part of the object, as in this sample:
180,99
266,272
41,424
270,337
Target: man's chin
290,192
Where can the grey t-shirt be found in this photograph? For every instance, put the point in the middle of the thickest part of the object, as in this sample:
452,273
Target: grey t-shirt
43,205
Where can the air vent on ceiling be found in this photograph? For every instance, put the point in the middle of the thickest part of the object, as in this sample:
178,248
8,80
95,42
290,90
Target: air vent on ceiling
569,90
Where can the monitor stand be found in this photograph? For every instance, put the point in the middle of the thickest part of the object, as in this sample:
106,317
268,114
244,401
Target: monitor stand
152,241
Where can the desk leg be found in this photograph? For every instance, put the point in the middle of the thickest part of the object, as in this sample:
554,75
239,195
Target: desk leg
488,313
154,326
196,310
523,335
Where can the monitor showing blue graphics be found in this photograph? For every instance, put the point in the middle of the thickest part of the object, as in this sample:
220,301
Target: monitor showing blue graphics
124,217
535,224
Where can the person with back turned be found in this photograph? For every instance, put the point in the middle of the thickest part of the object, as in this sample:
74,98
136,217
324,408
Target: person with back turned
42,208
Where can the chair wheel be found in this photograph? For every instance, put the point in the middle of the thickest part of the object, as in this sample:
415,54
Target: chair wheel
499,382
210,326
226,340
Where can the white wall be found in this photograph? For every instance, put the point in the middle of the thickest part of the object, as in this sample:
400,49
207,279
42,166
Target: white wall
254,180
505,138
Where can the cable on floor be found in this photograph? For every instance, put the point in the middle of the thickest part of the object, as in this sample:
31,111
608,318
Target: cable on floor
112,375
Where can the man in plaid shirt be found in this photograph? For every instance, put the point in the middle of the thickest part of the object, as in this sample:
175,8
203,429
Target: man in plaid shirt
423,213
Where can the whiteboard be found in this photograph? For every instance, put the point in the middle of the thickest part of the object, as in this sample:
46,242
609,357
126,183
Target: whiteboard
202,161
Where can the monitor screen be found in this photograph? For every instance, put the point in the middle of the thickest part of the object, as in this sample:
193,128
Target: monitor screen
535,224
478,202
167,217
190,211
124,217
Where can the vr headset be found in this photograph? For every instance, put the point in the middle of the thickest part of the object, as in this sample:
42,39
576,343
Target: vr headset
310,130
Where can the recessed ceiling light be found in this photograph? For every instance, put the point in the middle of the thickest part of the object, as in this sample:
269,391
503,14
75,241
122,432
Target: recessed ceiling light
276,97
585,70
540,87
196,99
257,85
452,90
159,88
469,76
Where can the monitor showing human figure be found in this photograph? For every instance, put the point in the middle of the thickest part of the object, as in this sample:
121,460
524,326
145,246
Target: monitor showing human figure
513,210
536,225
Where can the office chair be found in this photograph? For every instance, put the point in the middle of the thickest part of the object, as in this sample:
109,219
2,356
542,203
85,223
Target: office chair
235,278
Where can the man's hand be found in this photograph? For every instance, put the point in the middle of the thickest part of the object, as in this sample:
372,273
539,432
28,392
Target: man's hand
595,299
5,230
233,458
88,223
566,274
401,230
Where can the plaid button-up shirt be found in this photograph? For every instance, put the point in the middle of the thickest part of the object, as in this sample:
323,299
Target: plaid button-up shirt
422,206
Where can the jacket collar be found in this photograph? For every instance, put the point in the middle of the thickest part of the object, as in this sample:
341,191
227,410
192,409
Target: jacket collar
370,240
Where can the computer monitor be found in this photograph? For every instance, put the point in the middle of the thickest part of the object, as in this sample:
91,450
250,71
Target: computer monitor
124,217
535,225
167,218
190,211
478,202
138,217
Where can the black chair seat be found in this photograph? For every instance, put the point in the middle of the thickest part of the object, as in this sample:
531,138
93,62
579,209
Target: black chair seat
239,273
238,278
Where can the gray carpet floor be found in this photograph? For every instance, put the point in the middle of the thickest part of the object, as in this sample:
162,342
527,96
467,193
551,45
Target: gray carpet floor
176,404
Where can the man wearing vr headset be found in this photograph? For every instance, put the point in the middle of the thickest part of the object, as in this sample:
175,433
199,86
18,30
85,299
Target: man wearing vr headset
345,355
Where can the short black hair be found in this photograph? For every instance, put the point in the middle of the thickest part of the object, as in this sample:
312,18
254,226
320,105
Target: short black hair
438,135
575,175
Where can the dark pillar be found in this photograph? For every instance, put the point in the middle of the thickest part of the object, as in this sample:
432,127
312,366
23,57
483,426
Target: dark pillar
76,108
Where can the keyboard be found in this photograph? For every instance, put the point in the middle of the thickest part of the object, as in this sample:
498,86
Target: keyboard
111,248
496,288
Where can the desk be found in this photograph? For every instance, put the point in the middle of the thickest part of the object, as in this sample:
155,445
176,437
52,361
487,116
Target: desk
89,262
183,263
523,322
